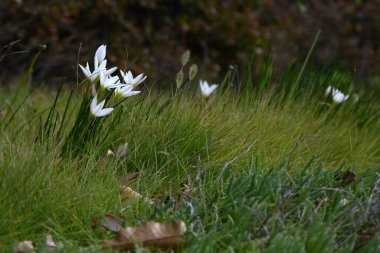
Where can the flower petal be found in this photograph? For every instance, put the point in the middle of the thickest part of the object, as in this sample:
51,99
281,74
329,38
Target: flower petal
93,106
104,112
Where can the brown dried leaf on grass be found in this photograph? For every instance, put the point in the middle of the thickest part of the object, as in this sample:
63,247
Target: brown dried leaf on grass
49,243
28,246
23,247
122,150
128,193
129,177
345,178
112,223
164,236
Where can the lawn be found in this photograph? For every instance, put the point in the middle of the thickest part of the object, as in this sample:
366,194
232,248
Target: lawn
263,165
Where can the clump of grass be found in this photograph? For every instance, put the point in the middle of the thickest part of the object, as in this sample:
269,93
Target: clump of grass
245,154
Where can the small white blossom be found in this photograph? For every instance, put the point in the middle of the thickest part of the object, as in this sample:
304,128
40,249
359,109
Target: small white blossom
100,56
87,72
125,91
129,80
337,95
97,109
100,64
343,202
108,72
207,89
108,82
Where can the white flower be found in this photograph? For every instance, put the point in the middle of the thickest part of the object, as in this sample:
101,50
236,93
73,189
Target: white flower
328,90
129,80
100,56
108,82
337,95
92,76
343,202
97,109
207,89
125,91
99,65
87,72
108,72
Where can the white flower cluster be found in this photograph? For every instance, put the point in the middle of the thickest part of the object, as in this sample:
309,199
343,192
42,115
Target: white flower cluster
206,89
336,94
107,82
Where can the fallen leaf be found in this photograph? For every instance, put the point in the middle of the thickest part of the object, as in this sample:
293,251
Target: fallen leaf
49,242
183,196
112,223
149,234
321,202
103,161
122,150
345,178
364,238
129,177
127,193
109,153
24,247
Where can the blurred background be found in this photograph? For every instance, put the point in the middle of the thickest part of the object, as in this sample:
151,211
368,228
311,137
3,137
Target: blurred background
150,35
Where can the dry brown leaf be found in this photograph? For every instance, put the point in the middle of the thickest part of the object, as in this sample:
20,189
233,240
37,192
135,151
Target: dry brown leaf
112,223
105,158
320,202
149,234
49,242
103,162
128,193
184,195
129,177
345,178
122,150
24,247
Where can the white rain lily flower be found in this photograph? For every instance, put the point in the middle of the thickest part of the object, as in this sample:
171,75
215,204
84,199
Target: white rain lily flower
108,72
108,82
129,80
100,63
87,72
340,97
100,55
97,109
125,91
328,90
92,76
337,95
207,89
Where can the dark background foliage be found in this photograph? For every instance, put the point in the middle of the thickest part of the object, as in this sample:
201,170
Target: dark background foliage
219,33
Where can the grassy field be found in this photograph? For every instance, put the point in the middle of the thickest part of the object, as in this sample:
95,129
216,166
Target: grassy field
275,168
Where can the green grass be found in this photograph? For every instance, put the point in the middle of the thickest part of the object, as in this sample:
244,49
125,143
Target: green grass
261,166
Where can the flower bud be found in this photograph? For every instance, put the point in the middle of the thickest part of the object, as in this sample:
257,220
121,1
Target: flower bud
180,79
42,46
193,71
185,57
